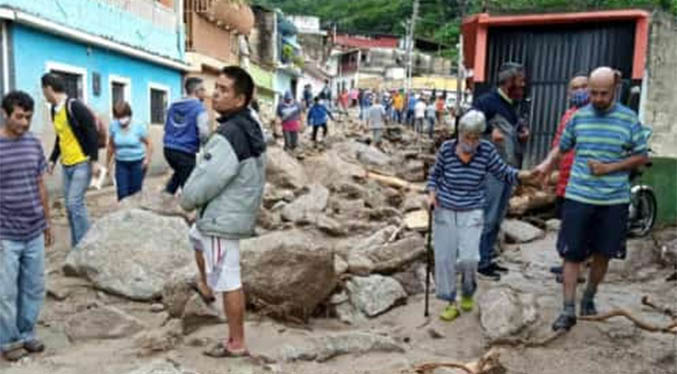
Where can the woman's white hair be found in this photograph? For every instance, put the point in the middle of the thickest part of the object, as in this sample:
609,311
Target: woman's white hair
472,122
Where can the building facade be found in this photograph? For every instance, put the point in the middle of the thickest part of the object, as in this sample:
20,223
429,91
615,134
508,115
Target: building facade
138,58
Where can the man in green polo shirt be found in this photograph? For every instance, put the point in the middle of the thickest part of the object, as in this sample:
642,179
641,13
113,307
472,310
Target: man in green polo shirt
608,141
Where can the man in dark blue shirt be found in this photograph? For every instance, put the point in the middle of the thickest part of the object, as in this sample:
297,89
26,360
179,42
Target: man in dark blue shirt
508,134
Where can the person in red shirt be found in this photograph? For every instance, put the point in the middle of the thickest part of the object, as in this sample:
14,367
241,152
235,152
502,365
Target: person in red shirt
578,98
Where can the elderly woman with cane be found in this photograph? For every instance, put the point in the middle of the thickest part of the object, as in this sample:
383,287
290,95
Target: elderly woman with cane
457,195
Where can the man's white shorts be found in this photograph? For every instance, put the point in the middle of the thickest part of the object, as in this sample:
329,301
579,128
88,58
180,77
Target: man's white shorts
222,260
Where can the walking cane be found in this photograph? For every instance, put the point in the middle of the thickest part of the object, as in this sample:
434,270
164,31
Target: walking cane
428,249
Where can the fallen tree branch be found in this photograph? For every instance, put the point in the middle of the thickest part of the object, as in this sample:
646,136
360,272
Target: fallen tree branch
659,308
394,182
669,329
487,364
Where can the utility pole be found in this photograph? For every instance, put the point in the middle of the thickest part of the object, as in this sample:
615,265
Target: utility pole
410,43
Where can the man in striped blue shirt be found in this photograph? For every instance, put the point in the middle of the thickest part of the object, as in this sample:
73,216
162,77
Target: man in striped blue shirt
456,190
608,141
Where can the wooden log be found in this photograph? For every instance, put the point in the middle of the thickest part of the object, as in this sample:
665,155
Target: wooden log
395,182
530,200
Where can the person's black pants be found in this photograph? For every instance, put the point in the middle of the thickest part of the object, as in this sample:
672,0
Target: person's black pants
324,131
182,163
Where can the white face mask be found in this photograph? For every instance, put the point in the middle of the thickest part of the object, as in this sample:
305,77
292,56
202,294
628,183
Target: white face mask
124,121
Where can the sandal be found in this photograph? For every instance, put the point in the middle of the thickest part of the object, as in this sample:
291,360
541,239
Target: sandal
15,354
220,351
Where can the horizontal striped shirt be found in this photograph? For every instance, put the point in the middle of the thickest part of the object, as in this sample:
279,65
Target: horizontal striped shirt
22,162
461,186
610,136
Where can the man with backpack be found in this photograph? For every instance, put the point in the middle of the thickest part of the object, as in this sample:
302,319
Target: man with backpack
77,144
186,127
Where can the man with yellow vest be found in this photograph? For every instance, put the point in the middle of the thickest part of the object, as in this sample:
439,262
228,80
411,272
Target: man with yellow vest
77,145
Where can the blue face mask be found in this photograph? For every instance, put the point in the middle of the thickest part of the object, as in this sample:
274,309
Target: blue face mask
579,98
468,148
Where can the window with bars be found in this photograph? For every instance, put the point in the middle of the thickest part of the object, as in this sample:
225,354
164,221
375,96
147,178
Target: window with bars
158,106
118,90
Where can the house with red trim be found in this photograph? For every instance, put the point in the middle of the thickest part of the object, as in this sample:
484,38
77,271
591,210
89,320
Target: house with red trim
552,47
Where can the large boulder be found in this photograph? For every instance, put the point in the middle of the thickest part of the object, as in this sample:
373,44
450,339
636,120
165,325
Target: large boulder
375,294
364,153
386,257
289,272
132,253
157,202
520,231
503,312
104,322
307,205
283,170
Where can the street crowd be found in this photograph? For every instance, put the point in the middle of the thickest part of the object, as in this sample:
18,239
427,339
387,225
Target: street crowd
221,175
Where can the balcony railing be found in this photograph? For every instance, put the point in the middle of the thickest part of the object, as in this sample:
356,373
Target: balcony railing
150,10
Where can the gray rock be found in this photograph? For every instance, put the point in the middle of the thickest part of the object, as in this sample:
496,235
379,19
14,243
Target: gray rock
553,224
414,201
288,271
177,291
350,190
375,294
156,202
157,308
413,171
273,194
366,154
160,367
504,313
283,170
162,339
386,258
327,347
309,204
104,322
521,232
339,298
413,279
348,314
197,314
330,226
132,253
340,265
640,255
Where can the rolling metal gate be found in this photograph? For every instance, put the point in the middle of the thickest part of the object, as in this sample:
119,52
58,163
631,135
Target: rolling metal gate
551,55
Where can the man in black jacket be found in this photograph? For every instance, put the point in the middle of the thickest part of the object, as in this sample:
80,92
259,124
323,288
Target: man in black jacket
77,146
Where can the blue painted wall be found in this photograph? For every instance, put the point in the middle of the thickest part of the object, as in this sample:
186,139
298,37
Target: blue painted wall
112,22
34,48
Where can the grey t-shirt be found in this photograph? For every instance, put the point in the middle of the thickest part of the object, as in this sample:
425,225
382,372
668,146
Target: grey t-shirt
375,116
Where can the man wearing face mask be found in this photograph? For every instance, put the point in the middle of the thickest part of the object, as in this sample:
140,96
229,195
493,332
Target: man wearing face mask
506,132
608,142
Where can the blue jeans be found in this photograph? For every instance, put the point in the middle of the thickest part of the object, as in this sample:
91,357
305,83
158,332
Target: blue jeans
498,195
128,177
76,180
22,291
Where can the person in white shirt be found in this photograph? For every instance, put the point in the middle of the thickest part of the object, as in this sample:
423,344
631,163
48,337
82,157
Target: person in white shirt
419,115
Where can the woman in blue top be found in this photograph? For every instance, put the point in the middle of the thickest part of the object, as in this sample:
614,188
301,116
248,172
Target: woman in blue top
131,145
456,191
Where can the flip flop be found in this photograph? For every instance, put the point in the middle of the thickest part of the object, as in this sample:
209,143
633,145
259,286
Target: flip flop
220,351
